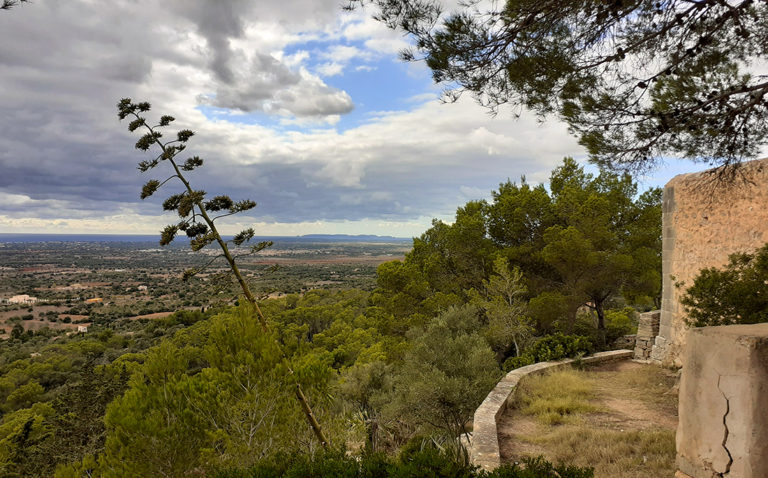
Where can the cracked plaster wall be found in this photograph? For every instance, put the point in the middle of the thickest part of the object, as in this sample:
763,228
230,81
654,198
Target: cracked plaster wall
723,427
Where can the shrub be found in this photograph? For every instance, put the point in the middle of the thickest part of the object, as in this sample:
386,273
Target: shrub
736,294
552,347
428,462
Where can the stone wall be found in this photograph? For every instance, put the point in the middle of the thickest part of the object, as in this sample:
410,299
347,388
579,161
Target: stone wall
703,223
484,449
723,427
647,330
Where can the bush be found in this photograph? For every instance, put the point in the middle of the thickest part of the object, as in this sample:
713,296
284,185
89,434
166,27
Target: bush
428,462
618,322
736,294
552,347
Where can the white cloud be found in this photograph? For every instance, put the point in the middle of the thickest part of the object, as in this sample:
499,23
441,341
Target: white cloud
330,69
66,159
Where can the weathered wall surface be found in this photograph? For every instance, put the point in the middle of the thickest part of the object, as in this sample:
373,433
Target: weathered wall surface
723,427
704,223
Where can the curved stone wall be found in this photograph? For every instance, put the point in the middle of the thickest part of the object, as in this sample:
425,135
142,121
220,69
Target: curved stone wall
484,449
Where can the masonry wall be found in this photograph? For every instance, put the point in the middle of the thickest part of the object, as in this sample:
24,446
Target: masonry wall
723,427
703,223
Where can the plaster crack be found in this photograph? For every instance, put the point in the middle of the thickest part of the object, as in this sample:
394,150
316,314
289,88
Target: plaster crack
725,426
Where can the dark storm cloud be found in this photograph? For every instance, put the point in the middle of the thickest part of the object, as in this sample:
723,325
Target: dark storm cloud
218,22
64,66
64,154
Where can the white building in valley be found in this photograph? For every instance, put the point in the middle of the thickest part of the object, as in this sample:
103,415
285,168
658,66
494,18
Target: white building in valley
22,299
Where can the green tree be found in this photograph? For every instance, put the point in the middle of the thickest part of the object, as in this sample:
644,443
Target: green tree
21,434
455,257
213,396
75,427
446,373
644,239
591,248
634,80
516,221
24,395
735,294
198,216
503,301
17,332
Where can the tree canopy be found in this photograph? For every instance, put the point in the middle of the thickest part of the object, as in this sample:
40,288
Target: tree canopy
583,241
635,80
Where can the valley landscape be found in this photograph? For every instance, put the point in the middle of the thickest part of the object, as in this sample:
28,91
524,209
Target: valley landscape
84,280
490,239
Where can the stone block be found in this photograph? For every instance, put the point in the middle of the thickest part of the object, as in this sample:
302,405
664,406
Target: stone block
723,427
648,324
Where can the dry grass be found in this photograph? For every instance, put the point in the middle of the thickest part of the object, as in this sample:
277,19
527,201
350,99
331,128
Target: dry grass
554,398
607,418
649,384
613,453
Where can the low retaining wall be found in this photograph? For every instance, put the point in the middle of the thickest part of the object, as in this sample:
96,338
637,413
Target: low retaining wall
484,451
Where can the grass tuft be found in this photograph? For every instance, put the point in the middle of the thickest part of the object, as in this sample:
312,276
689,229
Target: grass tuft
569,400
636,453
554,398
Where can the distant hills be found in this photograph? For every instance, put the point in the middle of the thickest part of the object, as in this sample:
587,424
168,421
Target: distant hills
350,238
5,237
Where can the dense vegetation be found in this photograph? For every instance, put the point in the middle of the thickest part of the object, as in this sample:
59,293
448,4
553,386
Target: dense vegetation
536,258
422,463
538,273
734,294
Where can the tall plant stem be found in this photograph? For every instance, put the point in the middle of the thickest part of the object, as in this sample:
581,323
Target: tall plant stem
305,406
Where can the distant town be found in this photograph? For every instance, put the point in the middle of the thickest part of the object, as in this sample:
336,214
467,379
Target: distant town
67,283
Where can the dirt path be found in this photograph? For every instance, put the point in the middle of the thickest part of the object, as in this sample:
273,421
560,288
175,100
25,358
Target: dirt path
628,432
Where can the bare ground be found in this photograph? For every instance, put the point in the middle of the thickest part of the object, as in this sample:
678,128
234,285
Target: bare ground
633,400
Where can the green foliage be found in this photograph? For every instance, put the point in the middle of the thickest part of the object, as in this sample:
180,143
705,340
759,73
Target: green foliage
453,257
620,322
636,81
21,435
446,373
551,309
505,309
552,347
587,241
214,395
423,463
24,395
735,294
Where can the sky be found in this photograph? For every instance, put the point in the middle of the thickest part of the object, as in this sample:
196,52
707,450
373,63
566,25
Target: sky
296,104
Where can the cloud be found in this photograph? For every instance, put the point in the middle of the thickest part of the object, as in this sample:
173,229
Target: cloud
66,159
